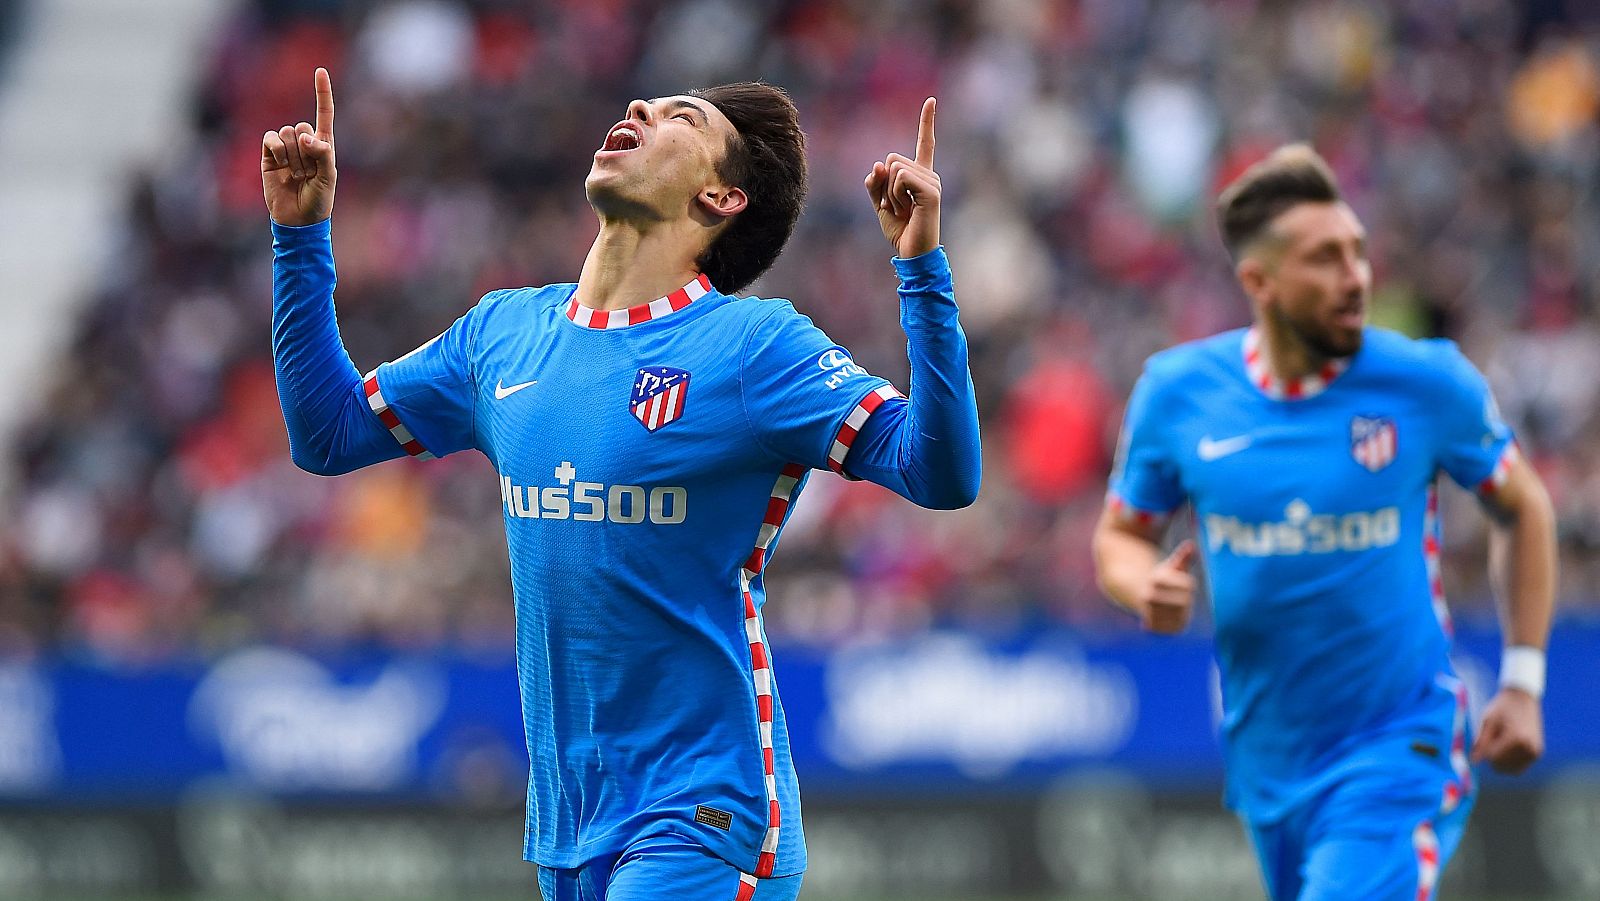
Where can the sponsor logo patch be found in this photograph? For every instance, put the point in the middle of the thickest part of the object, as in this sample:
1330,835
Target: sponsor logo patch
837,363
503,391
572,498
710,816
1211,449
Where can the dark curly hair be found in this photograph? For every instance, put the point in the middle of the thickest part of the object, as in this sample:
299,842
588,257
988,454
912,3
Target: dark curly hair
768,160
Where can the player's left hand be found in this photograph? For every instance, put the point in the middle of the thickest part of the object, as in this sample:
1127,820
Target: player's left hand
298,173
905,193
1511,737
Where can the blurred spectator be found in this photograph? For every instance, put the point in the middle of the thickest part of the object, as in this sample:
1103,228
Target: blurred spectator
154,511
1055,419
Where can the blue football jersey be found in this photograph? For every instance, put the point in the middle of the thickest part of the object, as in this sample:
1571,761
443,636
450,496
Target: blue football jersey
648,459
1315,513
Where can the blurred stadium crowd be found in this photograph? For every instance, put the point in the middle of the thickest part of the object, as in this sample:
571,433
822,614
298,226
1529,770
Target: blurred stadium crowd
9,18
154,511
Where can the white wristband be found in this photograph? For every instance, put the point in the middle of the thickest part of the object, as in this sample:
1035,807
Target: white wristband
1522,667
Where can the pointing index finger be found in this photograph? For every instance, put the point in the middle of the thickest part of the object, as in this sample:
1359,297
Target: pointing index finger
324,105
925,134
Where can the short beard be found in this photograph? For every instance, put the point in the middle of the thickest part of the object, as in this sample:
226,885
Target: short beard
1320,340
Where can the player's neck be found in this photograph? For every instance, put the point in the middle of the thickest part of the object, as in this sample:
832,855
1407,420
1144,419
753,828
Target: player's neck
1288,357
629,264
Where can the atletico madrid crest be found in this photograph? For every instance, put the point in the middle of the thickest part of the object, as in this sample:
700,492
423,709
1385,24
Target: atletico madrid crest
658,396
1373,441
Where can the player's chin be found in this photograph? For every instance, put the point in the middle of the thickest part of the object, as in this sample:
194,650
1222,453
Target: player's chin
1352,342
1342,340
607,190
601,177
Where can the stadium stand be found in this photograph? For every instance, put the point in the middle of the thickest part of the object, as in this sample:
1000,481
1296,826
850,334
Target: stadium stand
155,513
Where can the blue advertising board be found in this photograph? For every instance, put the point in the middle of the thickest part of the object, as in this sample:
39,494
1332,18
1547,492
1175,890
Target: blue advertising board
942,711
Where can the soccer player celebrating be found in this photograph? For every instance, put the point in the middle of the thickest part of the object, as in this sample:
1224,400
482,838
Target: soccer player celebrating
651,432
1309,446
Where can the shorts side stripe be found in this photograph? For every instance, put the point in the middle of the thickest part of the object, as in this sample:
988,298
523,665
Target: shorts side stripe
1426,845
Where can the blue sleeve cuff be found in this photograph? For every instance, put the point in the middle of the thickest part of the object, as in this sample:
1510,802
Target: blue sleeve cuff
300,234
927,292
931,269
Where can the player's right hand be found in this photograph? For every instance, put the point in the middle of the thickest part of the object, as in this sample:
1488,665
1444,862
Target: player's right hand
905,193
1166,600
297,172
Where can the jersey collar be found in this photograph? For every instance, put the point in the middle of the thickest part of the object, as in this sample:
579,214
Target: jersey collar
655,309
1255,364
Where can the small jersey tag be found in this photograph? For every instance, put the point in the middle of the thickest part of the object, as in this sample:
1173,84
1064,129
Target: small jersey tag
711,816
1425,749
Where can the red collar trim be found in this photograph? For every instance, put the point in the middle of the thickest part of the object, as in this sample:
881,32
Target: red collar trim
655,309
1255,364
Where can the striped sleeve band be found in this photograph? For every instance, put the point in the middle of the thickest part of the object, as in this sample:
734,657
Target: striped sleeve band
1122,511
1502,471
392,422
852,427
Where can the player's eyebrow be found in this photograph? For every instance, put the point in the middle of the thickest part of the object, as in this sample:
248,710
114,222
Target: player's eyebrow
677,103
1325,244
1358,239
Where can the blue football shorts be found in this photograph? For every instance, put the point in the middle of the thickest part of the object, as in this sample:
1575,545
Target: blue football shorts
658,867
1372,836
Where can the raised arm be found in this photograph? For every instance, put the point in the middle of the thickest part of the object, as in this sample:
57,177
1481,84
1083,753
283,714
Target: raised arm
926,449
332,428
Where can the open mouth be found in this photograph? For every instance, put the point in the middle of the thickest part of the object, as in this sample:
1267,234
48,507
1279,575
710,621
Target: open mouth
1352,310
623,136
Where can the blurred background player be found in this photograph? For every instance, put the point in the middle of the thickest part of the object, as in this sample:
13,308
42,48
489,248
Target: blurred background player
651,432
1309,446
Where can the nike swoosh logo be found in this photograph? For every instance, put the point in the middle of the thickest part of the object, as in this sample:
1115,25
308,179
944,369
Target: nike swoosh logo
501,392
1215,450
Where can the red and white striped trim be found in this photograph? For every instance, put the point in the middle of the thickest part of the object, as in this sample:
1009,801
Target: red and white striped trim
1430,561
783,491
390,420
777,509
852,427
1255,364
747,887
1461,786
655,309
1123,511
1426,844
1502,471
761,670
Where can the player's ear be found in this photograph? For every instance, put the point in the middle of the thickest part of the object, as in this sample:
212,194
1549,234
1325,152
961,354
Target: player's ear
723,202
1252,275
